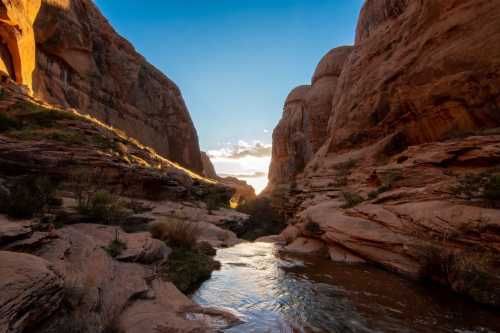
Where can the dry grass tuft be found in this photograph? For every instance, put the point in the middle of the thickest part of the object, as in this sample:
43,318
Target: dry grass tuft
176,233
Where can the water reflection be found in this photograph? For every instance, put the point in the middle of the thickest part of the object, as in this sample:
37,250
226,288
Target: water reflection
273,293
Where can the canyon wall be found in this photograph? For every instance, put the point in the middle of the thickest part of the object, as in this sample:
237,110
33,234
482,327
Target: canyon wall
17,39
393,164
71,56
303,128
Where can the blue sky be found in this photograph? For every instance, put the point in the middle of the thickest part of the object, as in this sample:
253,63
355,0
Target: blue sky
235,61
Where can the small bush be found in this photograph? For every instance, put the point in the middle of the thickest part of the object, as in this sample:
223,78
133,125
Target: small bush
343,171
176,233
212,205
313,227
116,247
102,207
66,137
481,186
351,199
188,268
491,191
470,272
36,116
7,123
264,220
30,196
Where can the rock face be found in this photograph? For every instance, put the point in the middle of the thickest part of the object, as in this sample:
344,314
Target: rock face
67,146
303,128
17,39
31,290
208,167
421,70
414,110
69,283
71,56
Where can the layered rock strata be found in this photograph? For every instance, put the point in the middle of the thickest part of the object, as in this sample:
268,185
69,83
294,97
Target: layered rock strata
67,53
406,174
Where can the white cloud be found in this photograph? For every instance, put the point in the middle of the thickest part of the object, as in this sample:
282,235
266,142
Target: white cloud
245,161
242,149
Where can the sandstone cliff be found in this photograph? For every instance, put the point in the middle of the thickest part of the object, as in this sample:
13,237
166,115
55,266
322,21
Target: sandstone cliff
404,171
71,56
64,280
303,128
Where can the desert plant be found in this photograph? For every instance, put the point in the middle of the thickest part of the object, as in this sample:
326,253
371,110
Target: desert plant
313,227
388,181
483,186
351,199
188,268
116,246
37,116
491,190
264,220
7,123
103,207
212,205
29,196
176,233
473,272
342,172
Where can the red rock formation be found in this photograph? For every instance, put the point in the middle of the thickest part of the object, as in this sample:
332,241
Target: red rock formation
83,63
31,290
420,68
303,128
413,111
17,41
208,167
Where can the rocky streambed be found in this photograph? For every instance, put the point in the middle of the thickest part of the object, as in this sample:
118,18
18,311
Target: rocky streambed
273,292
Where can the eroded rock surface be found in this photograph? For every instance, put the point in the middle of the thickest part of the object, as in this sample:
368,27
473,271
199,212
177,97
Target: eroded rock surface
414,111
303,128
17,39
31,289
69,55
70,282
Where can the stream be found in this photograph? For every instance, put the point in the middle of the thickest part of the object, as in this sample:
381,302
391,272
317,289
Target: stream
271,292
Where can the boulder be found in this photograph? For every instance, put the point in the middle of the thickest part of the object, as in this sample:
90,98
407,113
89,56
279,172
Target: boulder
31,290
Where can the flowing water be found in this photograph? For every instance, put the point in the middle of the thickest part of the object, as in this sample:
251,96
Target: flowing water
276,293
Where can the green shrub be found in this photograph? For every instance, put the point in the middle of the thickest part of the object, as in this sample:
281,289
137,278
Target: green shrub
343,171
176,233
264,220
472,272
351,199
313,227
212,205
104,142
116,246
491,190
481,186
29,196
7,123
187,268
66,137
102,207
36,116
